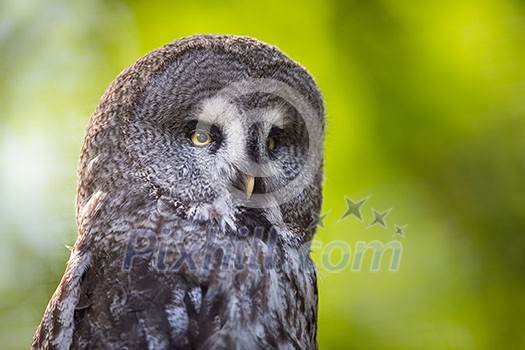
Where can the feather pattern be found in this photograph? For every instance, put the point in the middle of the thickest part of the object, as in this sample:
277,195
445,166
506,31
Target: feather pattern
170,253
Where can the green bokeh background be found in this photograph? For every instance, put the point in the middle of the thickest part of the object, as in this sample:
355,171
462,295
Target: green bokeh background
426,117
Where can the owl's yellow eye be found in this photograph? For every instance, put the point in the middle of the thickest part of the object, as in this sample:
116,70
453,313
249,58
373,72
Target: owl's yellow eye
271,143
200,138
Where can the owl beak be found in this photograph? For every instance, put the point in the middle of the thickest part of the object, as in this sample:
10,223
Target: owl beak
249,183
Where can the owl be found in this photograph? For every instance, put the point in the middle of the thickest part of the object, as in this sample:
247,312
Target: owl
199,185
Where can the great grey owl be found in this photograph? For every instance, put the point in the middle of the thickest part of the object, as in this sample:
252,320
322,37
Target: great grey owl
199,186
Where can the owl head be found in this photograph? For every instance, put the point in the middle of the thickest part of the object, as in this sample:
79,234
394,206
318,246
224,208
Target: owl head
213,128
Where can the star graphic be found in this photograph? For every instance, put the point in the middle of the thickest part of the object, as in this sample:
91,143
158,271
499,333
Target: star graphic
379,218
318,220
400,230
354,208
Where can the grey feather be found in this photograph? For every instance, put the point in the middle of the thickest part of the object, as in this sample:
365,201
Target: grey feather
170,254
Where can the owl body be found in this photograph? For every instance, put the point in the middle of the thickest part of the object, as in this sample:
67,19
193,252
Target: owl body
199,179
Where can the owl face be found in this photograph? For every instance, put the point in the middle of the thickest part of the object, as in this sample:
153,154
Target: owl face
220,138
221,125
247,153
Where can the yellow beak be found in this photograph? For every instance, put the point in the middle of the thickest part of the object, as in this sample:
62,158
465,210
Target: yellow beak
249,182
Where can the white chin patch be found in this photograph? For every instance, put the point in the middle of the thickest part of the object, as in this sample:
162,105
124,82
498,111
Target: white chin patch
221,211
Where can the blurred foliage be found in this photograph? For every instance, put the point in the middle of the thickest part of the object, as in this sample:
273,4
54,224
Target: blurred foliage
425,115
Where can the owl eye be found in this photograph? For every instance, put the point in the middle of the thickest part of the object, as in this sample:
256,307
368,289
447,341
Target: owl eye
271,143
200,138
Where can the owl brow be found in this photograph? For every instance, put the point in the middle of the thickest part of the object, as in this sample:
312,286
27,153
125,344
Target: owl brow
204,120
199,123
284,121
